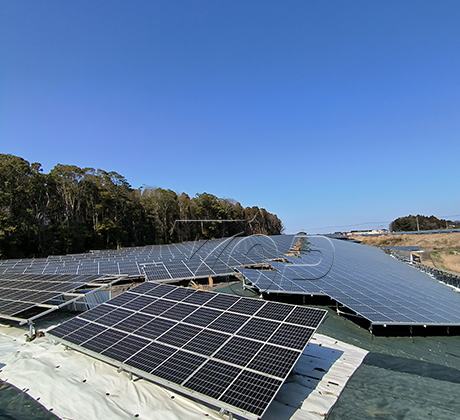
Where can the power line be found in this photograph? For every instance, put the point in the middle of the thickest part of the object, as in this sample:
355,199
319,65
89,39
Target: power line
370,223
355,225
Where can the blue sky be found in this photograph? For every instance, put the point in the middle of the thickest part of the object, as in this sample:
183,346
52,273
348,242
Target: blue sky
331,114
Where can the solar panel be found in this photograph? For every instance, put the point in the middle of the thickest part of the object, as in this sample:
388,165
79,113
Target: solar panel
67,269
364,279
229,351
107,267
88,268
166,262
129,268
20,292
178,270
200,270
156,272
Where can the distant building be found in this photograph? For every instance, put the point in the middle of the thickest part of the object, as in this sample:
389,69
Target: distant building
368,232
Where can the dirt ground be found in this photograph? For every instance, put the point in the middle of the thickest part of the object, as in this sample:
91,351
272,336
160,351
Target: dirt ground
443,248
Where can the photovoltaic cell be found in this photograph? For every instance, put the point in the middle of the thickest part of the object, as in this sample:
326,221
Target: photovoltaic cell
156,272
229,323
69,327
13,308
104,340
179,366
180,293
177,270
303,316
179,311
97,312
274,311
248,307
238,351
198,297
252,392
155,328
88,269
84,333
150,357
138,303
144,288
203,317
123,298
125,348
207,342
129,268
213,378
114,317
179,335
133,322
159,290
263,362
157,307
221,302
258,329
292,336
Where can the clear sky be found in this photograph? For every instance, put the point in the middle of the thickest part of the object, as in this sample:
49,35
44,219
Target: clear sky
335,115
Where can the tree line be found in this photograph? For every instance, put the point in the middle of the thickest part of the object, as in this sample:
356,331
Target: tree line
414,223
72,210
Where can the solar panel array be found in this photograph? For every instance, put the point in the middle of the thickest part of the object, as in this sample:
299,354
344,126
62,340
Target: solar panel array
19,292
365,280
229,351
175,261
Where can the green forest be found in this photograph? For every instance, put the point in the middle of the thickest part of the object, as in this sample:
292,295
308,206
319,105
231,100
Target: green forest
73,210
414,223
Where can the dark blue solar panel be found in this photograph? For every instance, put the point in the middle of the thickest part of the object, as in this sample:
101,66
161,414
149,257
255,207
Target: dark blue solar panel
364,279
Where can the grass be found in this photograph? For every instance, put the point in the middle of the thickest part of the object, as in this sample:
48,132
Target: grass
443,248
449,260
430,242
437,260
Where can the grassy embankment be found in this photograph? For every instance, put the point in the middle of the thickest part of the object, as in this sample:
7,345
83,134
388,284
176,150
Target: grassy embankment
442,249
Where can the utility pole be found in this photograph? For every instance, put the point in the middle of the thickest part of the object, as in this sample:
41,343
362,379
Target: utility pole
418,226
